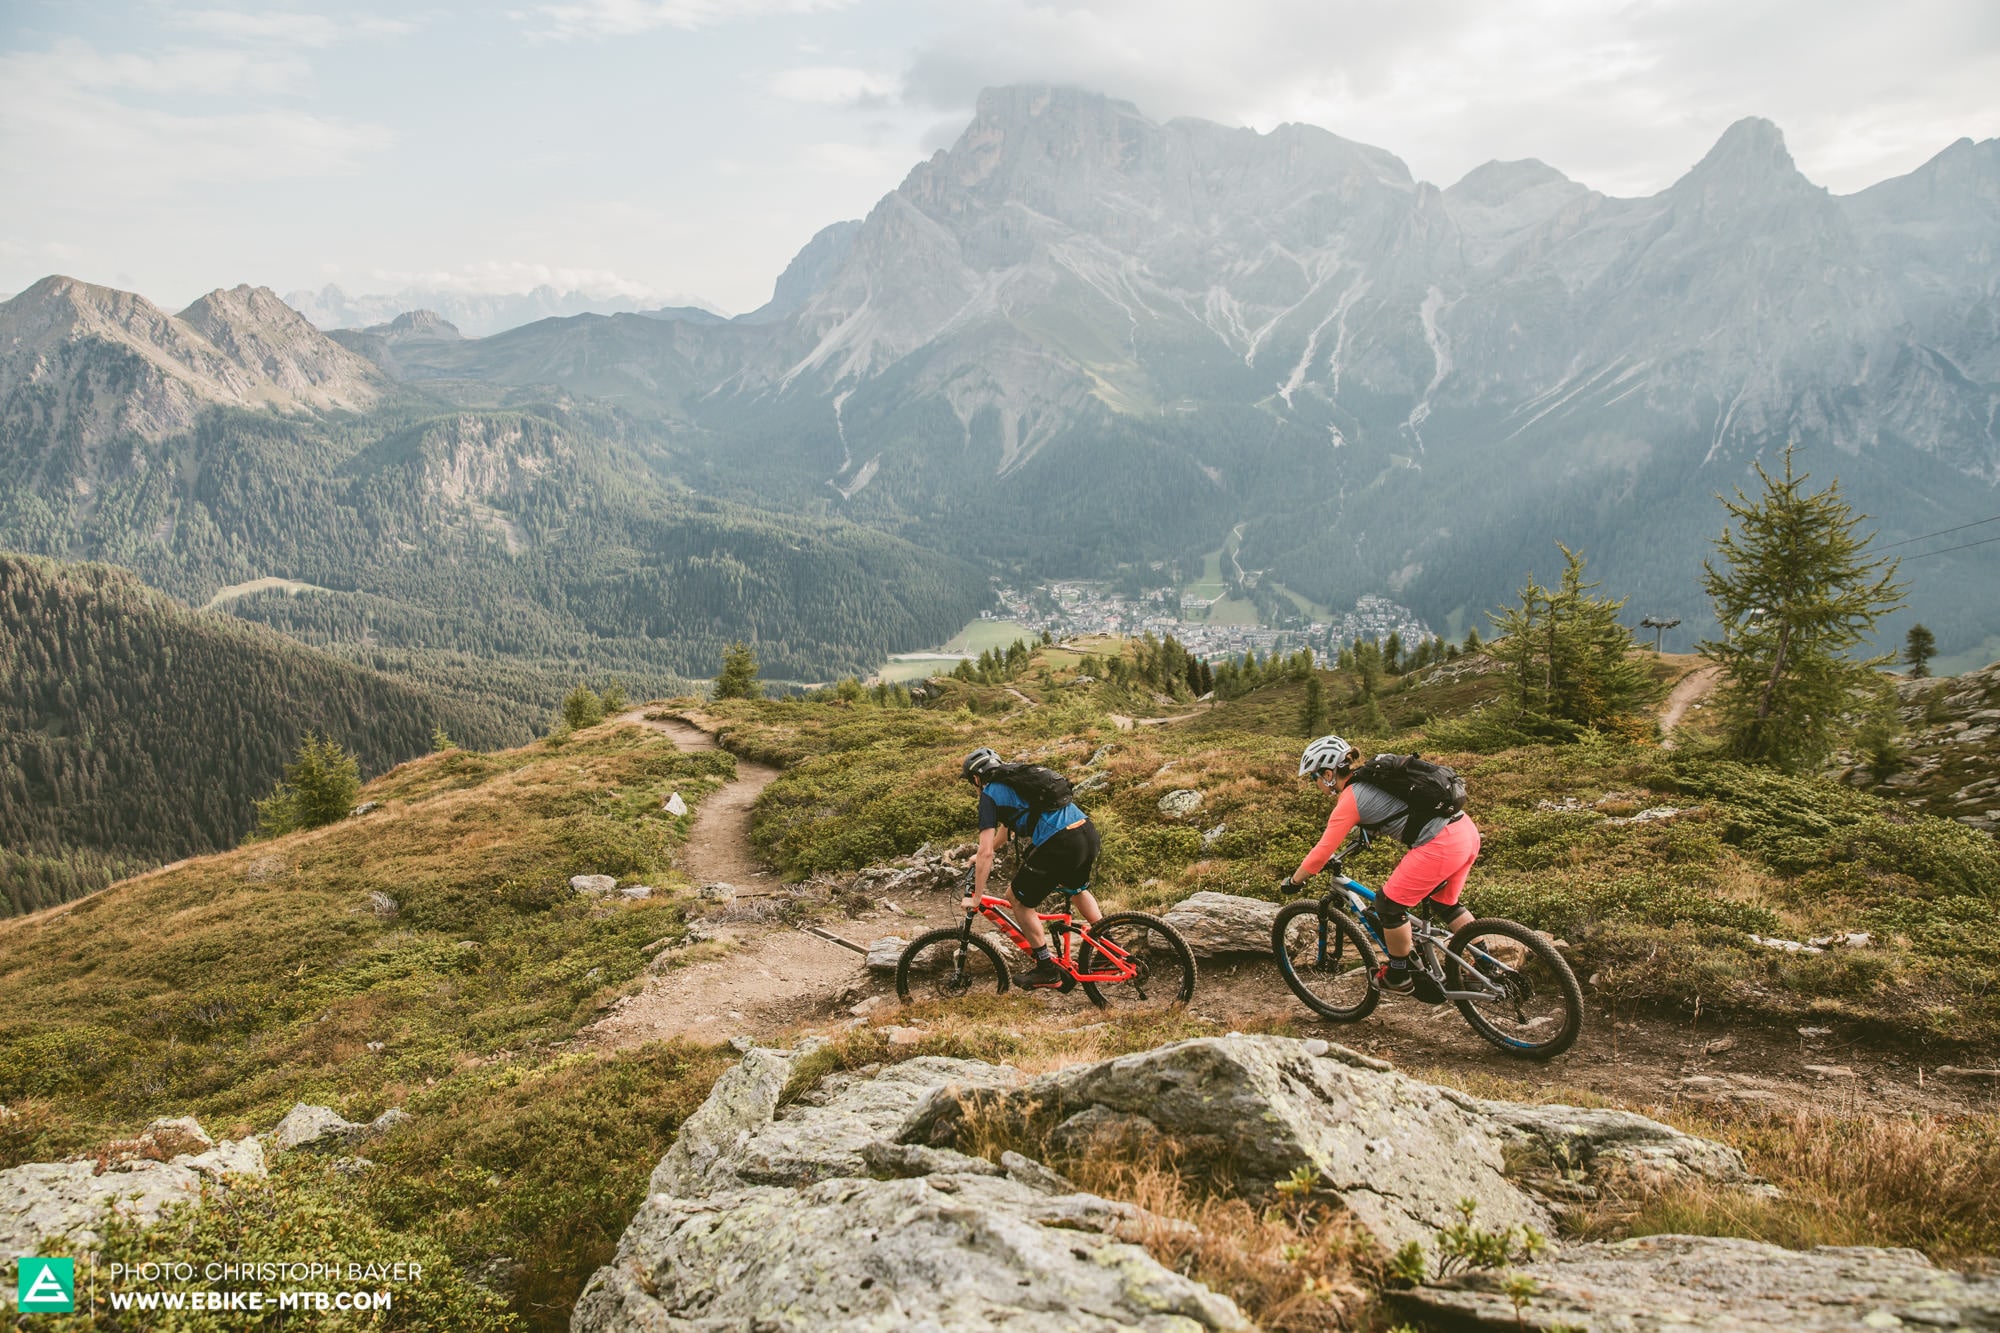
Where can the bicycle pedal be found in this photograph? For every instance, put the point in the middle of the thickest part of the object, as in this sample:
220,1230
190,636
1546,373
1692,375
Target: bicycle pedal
1427,988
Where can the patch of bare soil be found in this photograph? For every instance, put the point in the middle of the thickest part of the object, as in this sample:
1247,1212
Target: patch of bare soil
1638,1060
760,973
1688,691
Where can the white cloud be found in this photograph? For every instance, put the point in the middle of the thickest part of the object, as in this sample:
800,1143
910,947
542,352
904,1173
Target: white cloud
1624,97
614,18
832,85
63,119
289,28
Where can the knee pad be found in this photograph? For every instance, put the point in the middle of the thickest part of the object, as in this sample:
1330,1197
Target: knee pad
1390,912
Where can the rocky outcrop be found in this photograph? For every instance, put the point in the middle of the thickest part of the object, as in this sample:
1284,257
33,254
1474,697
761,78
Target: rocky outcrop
323,1130
862,1205
927,870
1707,1284
139,1178
1398,1153
821,1216
1219,923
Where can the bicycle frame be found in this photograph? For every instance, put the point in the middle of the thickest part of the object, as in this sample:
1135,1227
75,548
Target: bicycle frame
1354,898
1062,925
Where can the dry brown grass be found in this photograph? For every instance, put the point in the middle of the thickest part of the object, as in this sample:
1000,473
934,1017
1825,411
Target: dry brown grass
1925,1182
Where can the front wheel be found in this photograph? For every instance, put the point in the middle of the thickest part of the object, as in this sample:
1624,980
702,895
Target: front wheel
1326,961
949,964
1537,1011
1162,959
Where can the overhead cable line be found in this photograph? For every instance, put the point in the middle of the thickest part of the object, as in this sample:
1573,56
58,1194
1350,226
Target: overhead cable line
1984,541
1940,533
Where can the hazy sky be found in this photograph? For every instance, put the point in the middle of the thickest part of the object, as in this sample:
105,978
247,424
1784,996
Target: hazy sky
667,148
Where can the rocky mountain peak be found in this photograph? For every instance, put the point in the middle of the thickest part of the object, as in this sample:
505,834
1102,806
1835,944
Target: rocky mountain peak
1497,183
1750,153
419,324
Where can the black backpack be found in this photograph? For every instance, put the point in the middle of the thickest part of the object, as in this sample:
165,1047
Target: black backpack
1043,789
1432,791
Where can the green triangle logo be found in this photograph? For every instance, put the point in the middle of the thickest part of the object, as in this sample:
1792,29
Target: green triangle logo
45,1286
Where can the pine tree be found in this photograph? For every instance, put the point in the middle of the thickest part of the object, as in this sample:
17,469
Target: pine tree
581,708
738,677
1795,592
1312,716
1919,647
1571,656
318,788
1392,654
441,740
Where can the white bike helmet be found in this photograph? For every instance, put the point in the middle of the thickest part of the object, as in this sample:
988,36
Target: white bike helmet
1328,752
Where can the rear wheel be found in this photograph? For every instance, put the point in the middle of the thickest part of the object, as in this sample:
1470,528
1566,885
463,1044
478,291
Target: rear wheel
1539,1010
1326,960
949,964
1165,963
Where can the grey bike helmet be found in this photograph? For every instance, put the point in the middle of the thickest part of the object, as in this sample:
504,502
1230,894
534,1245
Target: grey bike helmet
1328,752
982,760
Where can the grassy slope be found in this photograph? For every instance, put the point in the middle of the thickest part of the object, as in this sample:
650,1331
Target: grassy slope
1657,912
231,986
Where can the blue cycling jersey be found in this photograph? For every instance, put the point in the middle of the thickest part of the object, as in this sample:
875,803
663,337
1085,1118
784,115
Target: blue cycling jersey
1001,804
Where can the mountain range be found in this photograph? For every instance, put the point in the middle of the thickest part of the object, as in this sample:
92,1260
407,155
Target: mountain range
1078,342
1079,337
234,454
478,313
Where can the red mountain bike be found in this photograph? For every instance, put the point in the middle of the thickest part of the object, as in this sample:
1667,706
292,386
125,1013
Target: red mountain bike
1142,954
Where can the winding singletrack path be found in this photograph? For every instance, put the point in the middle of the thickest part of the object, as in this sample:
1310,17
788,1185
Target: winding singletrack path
760,975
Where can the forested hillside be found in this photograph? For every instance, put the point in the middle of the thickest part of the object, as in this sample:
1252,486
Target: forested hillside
551,536
134,730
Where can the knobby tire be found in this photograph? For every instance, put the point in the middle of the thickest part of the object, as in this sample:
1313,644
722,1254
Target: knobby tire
1162,954
942,945
1348,959
1550,977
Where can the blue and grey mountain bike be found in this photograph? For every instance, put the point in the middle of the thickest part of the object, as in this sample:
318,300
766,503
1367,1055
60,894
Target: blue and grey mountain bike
1509,982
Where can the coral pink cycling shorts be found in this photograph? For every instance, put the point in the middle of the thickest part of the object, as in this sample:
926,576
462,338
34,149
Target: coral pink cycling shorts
1436,870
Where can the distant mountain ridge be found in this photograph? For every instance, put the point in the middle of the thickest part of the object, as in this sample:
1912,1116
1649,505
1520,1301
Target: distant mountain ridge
477,313
89,363
1079,337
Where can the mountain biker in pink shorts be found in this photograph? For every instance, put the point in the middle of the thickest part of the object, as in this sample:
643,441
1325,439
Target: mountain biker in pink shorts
1440,857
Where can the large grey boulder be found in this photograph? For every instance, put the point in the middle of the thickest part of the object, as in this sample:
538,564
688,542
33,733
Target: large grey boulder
1180,803
1399,1154
1705,1284
937,1252
1219,923
65,1202
822,1215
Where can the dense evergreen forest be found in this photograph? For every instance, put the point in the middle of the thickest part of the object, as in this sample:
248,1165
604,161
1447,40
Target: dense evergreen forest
547,535
134,730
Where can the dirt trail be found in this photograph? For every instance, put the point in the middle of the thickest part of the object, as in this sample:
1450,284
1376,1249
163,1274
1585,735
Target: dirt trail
1640,1061
765,978
759,975
1691,689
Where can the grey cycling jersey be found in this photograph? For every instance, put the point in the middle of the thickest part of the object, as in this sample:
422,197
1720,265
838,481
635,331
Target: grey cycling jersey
1375,807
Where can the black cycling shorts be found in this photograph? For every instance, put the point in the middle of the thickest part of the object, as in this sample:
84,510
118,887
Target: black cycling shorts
1062,864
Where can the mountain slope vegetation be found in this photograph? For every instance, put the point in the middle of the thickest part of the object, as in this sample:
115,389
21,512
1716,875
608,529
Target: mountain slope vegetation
430,954
134,730
543,536
1079,338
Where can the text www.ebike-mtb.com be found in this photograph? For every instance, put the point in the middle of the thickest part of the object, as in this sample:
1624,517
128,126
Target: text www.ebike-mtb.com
250,1300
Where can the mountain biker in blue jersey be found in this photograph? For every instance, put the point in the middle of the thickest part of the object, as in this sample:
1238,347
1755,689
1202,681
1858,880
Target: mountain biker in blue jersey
1062,848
